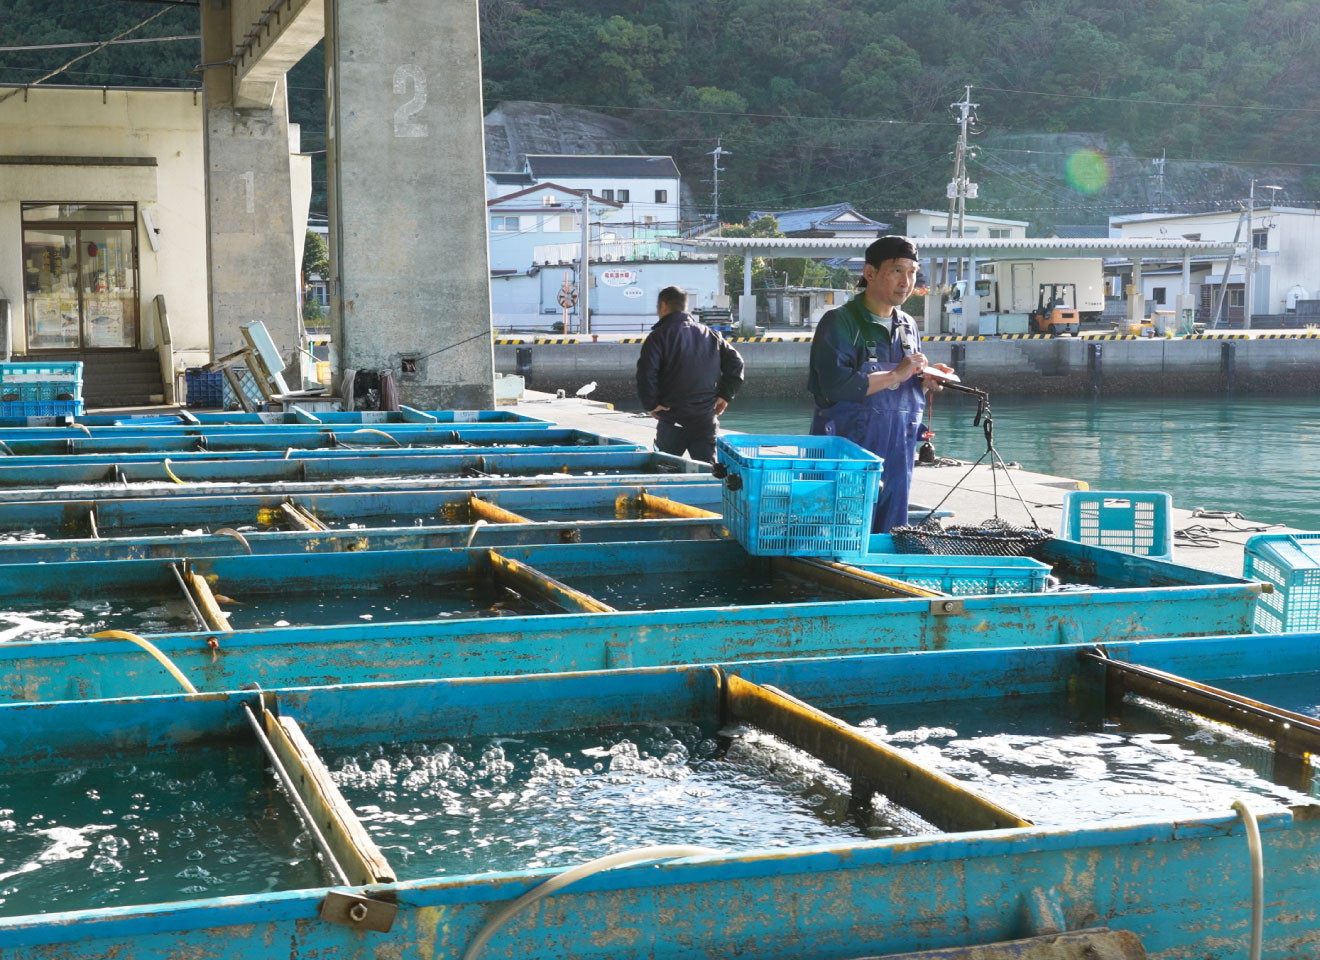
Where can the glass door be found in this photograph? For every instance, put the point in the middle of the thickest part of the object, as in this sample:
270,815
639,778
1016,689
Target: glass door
80,276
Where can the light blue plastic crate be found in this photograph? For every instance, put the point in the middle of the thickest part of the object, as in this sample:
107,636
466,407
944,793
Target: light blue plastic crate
793,496
1136,522
40,408
33,381
961,576
1290,563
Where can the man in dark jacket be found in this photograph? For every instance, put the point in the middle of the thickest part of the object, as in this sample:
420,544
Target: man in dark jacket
686,376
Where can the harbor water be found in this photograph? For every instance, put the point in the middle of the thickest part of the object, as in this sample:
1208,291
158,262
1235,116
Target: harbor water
1256,456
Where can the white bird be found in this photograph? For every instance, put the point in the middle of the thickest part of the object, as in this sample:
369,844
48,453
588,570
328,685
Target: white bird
586,388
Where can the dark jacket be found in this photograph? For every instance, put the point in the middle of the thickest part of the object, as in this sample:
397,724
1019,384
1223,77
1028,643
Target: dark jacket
685,365
844,339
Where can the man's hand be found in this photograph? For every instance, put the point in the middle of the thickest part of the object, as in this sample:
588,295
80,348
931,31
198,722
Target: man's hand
656,412
933,383
720,405
911,364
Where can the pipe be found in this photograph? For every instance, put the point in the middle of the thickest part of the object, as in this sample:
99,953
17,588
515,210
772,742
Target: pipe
166,464
572,875
1257,876
382,433
472,534
152,649
230,532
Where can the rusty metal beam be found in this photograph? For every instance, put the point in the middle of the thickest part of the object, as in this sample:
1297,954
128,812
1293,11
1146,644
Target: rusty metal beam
492,513
850,580
1292,733
672,508
525,579
1098,943
873,766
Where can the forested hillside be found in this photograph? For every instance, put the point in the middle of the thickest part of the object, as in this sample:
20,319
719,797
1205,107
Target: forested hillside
825,100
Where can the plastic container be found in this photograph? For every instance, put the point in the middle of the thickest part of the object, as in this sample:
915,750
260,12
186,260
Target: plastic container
962,576
34,381
40,408
1290,562
205,387
798,496
1135,522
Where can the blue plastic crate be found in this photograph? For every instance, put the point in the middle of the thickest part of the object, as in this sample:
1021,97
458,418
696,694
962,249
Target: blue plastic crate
205,388
40,408
791,496
1135,522
961,576
1290,563
32,381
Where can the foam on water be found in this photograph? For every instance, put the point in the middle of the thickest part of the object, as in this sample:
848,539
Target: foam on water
1044,759
513,803
82,618
703,588
147,830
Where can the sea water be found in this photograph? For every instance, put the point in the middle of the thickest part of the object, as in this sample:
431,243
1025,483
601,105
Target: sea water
556,799
151,828
1050,761
732,586
43,620
438,600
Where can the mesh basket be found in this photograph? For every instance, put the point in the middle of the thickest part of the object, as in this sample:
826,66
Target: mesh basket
992,538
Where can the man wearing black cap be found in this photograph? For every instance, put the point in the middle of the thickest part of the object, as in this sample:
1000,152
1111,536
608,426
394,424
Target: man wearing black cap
867,373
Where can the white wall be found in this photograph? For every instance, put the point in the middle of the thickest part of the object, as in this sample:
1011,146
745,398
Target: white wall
161,124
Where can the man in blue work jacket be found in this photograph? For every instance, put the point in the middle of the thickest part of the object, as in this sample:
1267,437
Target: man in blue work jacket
868,373
686,376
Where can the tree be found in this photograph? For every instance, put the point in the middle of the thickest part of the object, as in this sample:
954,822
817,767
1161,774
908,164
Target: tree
316,257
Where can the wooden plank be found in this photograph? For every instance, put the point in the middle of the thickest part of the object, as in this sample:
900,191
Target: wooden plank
492,513
524,579
873,766
353,847
672,508
206,602
299,519
850,580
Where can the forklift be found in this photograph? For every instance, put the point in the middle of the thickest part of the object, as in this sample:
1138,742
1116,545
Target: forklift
1056,310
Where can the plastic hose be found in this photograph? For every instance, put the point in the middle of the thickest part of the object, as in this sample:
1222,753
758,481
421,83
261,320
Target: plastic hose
1257,876
395,440
230,532
166,464
559,881
152,649
4,446
472,534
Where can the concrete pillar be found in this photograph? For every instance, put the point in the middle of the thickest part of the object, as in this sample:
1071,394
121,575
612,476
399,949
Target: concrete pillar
250,241
971,303
1136,300
747,274
406,164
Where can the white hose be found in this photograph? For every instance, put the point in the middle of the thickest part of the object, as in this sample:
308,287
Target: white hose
472,534
561,880
1257,876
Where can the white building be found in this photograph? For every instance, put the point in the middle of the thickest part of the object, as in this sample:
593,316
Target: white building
645,187
935,224
1284,243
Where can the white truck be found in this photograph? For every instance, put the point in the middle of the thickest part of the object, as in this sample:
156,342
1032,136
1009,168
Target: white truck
1011,291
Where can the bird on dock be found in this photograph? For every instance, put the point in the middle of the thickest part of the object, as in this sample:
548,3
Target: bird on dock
585,389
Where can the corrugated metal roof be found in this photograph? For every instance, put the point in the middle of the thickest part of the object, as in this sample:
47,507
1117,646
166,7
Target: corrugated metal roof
818,218
563,165
820,247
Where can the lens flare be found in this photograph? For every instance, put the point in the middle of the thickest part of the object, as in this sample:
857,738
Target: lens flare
1087,170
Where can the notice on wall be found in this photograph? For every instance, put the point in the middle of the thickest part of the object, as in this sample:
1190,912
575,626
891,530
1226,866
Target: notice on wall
617,277
105,322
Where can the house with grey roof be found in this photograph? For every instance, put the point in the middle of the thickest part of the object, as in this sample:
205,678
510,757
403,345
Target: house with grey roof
833,220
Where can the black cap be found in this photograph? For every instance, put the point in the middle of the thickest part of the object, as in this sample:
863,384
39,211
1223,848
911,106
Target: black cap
891,248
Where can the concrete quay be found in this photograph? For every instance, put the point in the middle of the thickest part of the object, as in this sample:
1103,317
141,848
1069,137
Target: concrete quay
1273,362
972,497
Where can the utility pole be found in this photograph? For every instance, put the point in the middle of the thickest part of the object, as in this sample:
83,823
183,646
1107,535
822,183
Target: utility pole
1250,264
1159,181
717,153
584,269
959,188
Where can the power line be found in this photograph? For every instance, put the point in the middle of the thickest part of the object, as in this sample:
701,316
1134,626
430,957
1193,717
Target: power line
1163,103
82,56
734,113
98,43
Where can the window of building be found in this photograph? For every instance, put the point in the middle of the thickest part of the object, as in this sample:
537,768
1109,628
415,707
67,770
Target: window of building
649,219
80,266
504,224
662,196
1260,239
1157,294
1237,298
998,233
622,196
565,224
607,194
